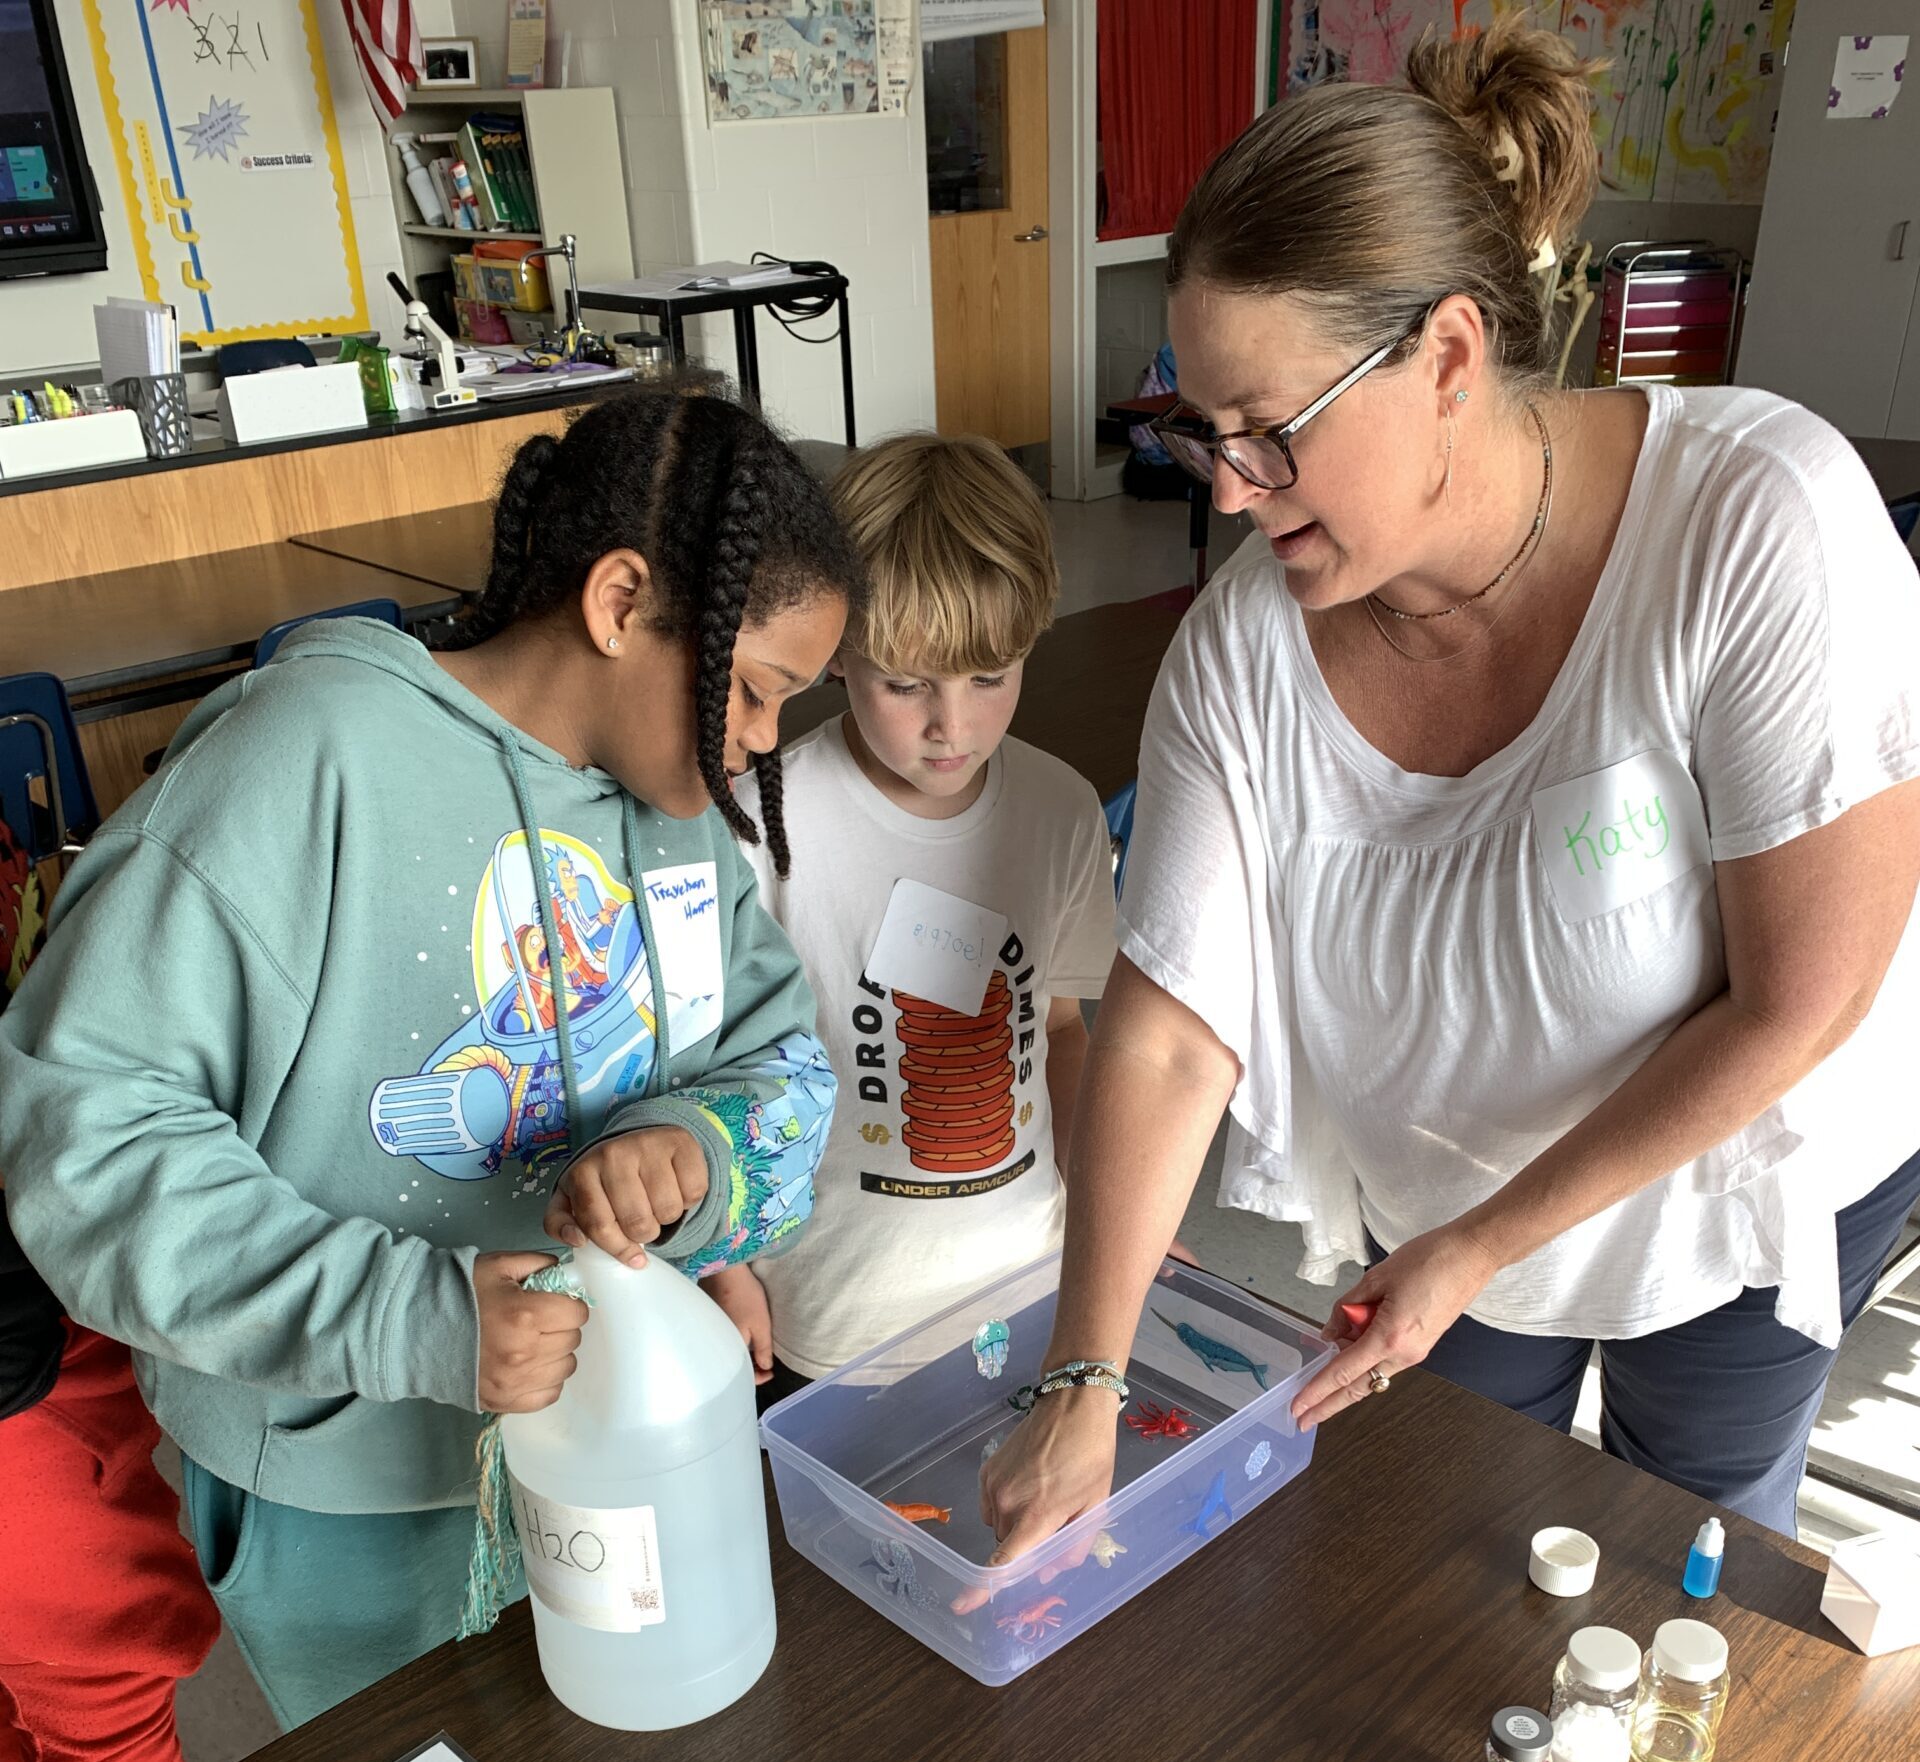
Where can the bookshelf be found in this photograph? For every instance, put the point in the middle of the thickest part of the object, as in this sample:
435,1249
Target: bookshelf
455,232
579,183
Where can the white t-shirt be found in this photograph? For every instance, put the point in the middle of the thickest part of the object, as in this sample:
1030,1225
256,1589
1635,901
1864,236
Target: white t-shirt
918,1201
1428,980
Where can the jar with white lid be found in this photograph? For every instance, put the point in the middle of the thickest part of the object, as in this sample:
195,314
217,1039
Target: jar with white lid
1601,1669
1683,1694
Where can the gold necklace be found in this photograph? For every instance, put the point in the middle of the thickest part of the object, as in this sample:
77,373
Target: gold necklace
1529,546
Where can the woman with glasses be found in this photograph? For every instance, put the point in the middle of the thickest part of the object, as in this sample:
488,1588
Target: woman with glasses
1526,834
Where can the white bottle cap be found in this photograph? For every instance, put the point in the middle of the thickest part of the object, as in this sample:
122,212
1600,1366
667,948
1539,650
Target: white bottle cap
1564,1562
1712,1538
1690,1650
1603,1658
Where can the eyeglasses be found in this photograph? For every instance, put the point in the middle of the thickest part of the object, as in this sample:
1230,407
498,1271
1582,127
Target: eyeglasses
1263,456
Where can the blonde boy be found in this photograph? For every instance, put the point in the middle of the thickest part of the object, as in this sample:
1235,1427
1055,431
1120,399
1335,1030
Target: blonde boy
943,1169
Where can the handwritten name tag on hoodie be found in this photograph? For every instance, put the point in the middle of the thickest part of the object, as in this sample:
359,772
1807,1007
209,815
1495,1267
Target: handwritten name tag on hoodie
683,905
1617,835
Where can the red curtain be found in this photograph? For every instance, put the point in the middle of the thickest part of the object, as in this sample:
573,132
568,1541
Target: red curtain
1176,85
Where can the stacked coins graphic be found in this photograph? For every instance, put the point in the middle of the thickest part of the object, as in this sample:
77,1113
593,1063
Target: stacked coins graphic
958,1077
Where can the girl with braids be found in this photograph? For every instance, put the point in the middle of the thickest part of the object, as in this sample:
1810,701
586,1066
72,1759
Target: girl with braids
399,949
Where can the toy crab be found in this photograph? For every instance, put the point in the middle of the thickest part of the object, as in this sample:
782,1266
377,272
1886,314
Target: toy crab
1161,1422
1031,1623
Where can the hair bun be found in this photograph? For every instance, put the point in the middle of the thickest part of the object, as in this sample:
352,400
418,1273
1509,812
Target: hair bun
1523,93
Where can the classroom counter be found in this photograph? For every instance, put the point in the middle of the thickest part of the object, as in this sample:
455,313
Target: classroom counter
211,448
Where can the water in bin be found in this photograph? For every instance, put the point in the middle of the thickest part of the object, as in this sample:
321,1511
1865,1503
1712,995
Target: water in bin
638,1501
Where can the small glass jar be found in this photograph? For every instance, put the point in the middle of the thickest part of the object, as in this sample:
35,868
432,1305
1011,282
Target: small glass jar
1519,1734
1601,1668
1683,1694
1587,1733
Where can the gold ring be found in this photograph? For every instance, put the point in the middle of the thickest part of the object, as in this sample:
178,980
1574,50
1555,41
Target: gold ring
1378,1381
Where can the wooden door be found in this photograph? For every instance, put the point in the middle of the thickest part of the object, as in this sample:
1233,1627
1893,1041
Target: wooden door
986,107
1838,257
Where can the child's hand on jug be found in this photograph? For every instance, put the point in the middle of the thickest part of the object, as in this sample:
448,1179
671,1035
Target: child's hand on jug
623,1193
744,1299
527,1338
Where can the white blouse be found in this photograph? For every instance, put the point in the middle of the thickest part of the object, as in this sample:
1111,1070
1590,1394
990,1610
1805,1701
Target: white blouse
1429,980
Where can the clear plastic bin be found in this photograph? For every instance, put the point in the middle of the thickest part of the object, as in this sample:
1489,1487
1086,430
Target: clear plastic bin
912,1421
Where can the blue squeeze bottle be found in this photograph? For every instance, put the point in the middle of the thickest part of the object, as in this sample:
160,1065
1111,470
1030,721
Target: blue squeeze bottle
1703,1561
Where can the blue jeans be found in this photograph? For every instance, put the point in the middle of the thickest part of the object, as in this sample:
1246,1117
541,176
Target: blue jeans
1722,1405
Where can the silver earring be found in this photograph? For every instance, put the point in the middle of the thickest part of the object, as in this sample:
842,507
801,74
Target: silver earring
1459,397
613,642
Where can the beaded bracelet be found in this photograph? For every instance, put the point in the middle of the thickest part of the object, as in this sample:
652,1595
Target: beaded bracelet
1083,1374
1080,1364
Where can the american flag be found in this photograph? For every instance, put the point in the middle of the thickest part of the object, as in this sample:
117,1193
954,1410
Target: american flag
386,41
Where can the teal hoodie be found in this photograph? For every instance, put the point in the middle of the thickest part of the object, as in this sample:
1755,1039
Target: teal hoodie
290,1059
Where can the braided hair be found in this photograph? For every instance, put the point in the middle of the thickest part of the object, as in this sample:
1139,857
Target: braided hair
733,527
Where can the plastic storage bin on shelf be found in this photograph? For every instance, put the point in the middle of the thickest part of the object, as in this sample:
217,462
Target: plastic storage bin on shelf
912,1421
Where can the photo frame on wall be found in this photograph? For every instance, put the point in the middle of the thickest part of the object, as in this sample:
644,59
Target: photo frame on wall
448,64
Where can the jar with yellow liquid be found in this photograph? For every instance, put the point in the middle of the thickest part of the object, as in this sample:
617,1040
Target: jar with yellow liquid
1683,1693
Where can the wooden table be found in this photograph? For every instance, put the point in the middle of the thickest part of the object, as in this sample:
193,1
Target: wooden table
1376,1610
449,548
452,547
109,637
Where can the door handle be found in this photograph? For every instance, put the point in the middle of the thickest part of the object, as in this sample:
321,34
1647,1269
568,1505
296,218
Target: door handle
1033,236
1898,248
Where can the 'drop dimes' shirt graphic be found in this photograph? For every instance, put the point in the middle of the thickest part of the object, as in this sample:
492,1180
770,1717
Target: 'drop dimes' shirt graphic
956,1091
939,1175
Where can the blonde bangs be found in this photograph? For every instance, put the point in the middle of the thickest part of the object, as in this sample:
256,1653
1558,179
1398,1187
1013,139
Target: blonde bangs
959,551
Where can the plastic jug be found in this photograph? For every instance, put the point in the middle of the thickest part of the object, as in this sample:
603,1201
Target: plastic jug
640,1509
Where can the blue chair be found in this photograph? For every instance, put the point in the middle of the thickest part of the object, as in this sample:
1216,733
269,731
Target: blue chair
1119,812
263,355
39,744
388,611
1906,517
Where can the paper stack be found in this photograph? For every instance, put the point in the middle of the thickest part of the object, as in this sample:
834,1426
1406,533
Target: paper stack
137,339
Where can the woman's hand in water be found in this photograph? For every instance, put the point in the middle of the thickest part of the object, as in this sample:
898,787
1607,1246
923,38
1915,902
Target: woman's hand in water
744,1299
1417,1293
623,1193
1057,1466
527,1338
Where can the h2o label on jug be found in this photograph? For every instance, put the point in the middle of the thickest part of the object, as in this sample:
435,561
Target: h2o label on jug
598,1568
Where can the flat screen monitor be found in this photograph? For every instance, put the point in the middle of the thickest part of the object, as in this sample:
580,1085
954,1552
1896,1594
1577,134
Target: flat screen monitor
49,210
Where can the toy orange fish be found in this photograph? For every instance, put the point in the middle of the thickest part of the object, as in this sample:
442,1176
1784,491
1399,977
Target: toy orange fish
920,1513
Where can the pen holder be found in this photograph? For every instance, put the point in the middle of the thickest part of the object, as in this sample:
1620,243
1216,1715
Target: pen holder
160,402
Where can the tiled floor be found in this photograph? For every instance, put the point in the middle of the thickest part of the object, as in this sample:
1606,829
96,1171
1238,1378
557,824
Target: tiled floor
1869,1432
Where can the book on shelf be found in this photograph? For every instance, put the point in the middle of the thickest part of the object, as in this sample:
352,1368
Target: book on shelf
493,209
443,185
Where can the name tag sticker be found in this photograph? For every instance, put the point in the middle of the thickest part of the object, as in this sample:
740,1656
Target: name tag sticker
936,946
1617,835
683,905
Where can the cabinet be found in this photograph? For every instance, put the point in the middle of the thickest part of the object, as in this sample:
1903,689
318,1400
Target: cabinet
1832,320
573,142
